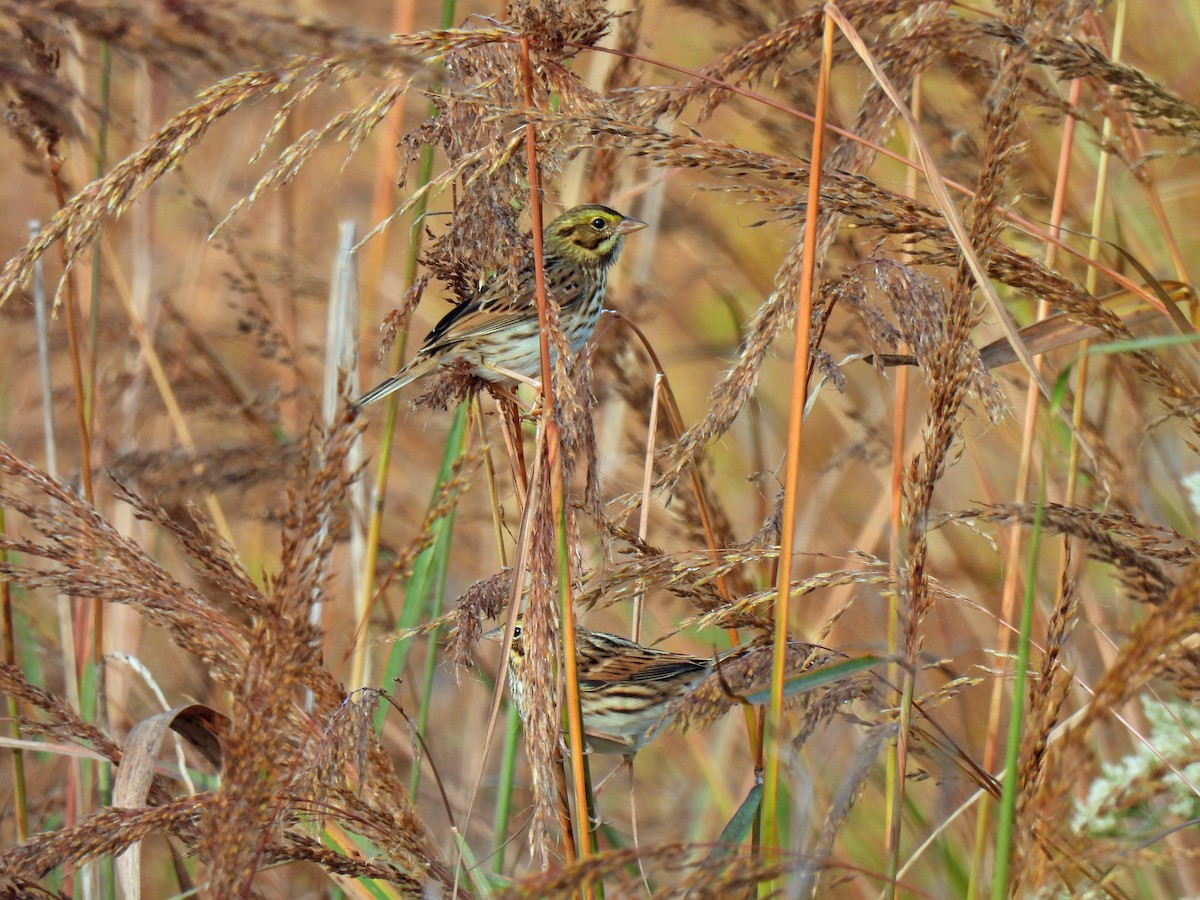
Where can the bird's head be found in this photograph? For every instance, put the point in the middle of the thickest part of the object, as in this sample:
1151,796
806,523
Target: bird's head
516,654
589,235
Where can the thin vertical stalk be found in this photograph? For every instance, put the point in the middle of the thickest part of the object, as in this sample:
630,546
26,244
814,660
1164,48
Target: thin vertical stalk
1012,774
1100,200
103,772
897,760
504,786
62,605
512,722
94,650
107,870
791,490
76,352
340,322
639,598
341,362
81,611
290,411
102,132
8,640
363,600
1020,492
1135,142
673,418
42,321
50,447
557,486
580,776
436,603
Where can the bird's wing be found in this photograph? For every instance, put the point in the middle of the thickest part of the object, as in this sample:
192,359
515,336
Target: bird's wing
503,301
470,324
496,297
645,666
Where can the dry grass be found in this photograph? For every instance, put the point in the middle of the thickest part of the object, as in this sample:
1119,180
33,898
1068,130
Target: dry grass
212,549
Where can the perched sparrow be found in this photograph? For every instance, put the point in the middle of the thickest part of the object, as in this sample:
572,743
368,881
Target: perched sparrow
625,689
497,328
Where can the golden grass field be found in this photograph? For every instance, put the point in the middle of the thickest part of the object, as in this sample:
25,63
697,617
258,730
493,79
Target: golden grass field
241,620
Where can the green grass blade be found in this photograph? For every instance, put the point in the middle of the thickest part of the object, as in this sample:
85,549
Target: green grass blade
429,562
1008,793
504,786
737,829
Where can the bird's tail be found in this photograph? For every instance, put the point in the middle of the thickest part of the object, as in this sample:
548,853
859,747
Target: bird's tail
417,367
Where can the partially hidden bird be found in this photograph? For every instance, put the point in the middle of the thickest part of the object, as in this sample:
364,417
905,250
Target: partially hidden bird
495,330
626,690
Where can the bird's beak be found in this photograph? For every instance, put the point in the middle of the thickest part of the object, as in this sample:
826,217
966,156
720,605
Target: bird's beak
629,225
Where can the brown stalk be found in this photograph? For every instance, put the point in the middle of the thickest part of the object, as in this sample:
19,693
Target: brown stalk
81,422
897,761
520,562
510,428
79,608
570,669
489,470
72,316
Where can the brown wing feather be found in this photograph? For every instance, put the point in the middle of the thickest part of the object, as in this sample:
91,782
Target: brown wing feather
495,298
497,305
627,661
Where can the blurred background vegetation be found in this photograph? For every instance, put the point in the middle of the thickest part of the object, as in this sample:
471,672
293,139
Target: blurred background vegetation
197,375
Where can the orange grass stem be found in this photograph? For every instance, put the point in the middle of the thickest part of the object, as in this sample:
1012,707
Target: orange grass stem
557,487
791,489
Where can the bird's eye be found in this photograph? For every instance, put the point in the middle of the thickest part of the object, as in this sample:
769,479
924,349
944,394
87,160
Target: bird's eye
517,632
598,223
